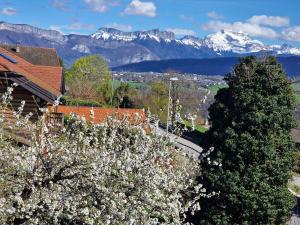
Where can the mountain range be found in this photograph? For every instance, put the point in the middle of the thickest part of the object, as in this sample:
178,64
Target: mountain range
120,48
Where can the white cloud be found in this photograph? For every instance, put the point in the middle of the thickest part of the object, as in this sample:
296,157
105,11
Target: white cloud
122,27
291,34
99,5
136,7
273,21
73,27
254,30
271,27
215,15
9,11
178,31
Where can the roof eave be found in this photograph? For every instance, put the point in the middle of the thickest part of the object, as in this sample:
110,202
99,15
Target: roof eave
32,87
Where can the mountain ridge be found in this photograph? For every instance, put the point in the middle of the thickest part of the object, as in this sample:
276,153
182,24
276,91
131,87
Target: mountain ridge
120,48
204,66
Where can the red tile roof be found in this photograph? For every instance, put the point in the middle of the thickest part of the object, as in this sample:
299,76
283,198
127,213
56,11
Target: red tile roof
36,56
101,114
47,77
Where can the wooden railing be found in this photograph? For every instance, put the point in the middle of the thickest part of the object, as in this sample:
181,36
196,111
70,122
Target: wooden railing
55,121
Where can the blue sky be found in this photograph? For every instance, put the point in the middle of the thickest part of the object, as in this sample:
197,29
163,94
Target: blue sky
272,21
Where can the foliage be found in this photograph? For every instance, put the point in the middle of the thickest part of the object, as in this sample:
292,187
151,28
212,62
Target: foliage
123,96
250,133
198,127
296,157
133,84
113,173
89,79
67,100
155,99
215,88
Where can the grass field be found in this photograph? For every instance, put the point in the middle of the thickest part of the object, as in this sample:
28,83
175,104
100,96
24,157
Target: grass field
296,88
214,88
198,127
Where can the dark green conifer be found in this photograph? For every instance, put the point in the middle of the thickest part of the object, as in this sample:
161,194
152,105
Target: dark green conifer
251,124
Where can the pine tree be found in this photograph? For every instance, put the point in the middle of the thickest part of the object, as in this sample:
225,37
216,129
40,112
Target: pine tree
250,133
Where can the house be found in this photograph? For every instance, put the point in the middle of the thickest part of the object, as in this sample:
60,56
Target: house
37,73
100,115
40,82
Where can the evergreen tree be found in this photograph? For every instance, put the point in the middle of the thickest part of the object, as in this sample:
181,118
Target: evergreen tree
251,123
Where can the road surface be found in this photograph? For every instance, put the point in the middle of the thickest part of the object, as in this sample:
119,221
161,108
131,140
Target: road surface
187,146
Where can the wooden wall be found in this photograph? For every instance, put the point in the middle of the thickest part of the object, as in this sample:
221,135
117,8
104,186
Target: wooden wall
32,102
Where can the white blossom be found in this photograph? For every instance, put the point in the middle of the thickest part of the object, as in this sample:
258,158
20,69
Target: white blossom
114,173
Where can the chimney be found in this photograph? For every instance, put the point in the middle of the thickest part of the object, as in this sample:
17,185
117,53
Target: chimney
17,48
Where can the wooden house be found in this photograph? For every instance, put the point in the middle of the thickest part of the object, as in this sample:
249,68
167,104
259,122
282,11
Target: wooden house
37,73
36,76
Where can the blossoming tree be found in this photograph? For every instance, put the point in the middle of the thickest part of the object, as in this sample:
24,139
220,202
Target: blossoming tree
113,173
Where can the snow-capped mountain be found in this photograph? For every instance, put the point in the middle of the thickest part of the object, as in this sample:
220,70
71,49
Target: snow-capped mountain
117,35
118,47
234,41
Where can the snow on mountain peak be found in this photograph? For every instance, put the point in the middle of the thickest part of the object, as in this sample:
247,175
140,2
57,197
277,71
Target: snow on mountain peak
237,42
222,43
114,34
192,41
285,49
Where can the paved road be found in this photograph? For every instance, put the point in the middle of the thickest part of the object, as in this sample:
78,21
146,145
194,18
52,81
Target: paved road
187,146
295,220
296,180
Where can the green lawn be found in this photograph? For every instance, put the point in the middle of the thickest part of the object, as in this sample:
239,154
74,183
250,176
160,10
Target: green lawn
296,88
214,88
198,127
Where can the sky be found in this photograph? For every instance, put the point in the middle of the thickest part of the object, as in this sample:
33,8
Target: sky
271,21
